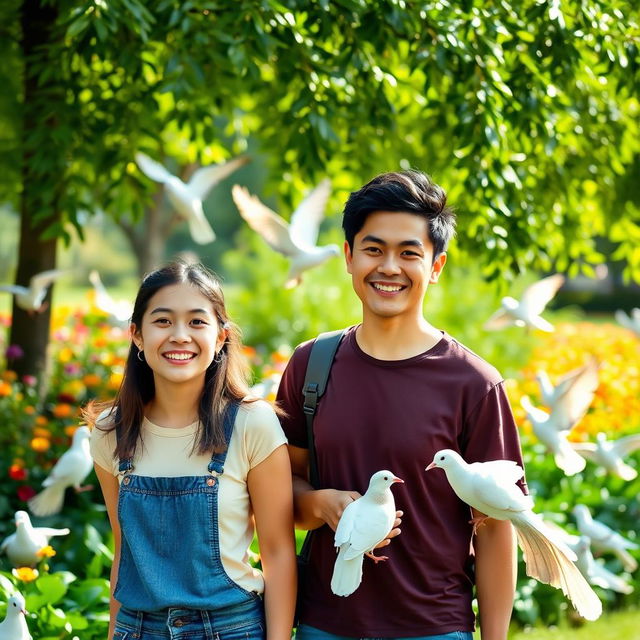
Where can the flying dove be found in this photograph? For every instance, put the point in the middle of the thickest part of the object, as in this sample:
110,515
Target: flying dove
631,321
553,428
490,487
526,311
70,470
31,298
364,524
609,453
119,311
14,626
22,546
187,198
296,240
551,394
604,538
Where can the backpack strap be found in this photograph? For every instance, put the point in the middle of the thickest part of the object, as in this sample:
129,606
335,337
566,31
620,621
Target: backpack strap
315,382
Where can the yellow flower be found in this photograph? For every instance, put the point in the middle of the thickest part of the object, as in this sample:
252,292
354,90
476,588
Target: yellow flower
115,379
26,574
46,552
65,355
40,444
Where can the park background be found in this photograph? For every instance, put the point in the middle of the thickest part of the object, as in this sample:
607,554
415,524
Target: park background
525,112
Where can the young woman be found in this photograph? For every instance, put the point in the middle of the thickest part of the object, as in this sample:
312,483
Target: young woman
187,463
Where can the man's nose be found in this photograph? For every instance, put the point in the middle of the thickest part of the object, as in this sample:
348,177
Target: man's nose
389,265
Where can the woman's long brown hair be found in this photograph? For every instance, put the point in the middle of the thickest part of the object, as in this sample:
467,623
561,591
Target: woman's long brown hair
226,379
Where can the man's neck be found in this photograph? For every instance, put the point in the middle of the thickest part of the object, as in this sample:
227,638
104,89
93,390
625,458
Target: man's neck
395,338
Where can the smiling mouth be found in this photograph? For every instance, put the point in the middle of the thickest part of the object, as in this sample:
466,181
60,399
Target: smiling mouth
388,288
179,357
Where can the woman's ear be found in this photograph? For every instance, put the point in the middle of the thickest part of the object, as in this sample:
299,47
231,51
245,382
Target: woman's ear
136,337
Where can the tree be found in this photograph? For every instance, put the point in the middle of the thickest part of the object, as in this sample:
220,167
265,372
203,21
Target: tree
525,111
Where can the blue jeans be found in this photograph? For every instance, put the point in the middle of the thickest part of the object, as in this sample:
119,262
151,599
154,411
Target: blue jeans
243,622
305,632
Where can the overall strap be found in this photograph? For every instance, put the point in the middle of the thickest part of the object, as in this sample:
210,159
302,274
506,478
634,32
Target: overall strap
315,382
216,466
124,466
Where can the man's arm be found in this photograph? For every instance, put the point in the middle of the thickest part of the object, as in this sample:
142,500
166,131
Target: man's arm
496,573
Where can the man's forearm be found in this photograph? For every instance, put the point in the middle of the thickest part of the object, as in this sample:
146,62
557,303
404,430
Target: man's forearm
496,574
303,505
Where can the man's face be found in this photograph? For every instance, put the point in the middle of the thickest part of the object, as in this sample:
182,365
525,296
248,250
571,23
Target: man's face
391,264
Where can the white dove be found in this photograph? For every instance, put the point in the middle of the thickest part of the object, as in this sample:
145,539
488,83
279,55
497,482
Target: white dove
490,487
31,298
526,312
120,311
22,546
586,375
631,321
364,523
604,538
553,428
296,240
595,572
187,198
609,453
70,470
14,626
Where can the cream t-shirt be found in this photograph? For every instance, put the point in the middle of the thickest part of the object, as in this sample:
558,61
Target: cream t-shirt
165,452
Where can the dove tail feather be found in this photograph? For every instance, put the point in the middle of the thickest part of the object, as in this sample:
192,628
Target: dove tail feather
551,562
200,230
570,461
48,501
347,574
628,561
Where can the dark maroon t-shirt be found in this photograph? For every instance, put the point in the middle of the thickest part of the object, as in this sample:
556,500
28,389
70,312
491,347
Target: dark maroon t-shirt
395,415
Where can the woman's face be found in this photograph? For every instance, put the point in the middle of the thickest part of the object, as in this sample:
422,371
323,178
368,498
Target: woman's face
180,333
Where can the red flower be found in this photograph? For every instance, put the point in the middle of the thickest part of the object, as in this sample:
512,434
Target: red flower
16,472
26,492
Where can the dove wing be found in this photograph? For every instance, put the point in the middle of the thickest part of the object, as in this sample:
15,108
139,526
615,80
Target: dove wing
151,168
264,221
499,320
44,279
369,528
64,468
573,404
204,179
587,450
624,446
536,297
494,486
13,288
306,219
345,524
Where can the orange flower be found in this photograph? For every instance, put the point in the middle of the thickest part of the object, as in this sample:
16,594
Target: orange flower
41,421
62,410
29,410
40,444
26,574
46,552
40,432
92,380
70,430
9,375
5,389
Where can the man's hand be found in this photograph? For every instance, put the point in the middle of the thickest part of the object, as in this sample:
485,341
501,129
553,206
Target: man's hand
330,503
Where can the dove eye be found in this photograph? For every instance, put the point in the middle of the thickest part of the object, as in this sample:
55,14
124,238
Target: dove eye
441,458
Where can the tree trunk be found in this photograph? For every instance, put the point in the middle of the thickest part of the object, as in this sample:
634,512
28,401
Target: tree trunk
40,193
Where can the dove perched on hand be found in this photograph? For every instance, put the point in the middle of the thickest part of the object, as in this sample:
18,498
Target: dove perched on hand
364,524
296,240
72,468
119,311
553,428
631,321
490,487
31,298
526,311
604,538
187,198
14,626
22,546
609,453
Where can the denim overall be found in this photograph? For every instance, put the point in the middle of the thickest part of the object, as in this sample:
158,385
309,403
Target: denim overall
171,582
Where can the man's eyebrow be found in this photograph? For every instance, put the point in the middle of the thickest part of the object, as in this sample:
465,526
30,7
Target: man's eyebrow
168,310
403,243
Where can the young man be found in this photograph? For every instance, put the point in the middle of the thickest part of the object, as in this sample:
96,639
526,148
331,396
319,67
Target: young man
399,391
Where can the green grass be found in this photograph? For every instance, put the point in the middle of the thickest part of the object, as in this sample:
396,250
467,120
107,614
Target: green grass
621,625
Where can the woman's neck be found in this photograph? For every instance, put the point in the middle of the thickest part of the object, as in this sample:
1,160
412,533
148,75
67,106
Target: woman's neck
174,405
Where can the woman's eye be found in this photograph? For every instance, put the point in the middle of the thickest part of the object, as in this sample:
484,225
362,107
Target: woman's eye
161,321
198,321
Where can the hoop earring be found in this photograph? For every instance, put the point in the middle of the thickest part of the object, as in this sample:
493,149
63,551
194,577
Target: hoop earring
217,359
140,356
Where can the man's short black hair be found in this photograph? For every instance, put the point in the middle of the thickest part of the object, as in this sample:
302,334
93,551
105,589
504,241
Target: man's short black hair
404,191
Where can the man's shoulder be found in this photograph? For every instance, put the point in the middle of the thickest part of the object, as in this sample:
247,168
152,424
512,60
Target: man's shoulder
469,364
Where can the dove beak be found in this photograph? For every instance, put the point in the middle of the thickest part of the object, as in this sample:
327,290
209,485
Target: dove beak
431,466
396,479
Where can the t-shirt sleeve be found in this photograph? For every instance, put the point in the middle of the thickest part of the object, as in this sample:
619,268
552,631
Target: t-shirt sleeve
263,433
102,445
491,431
290,399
